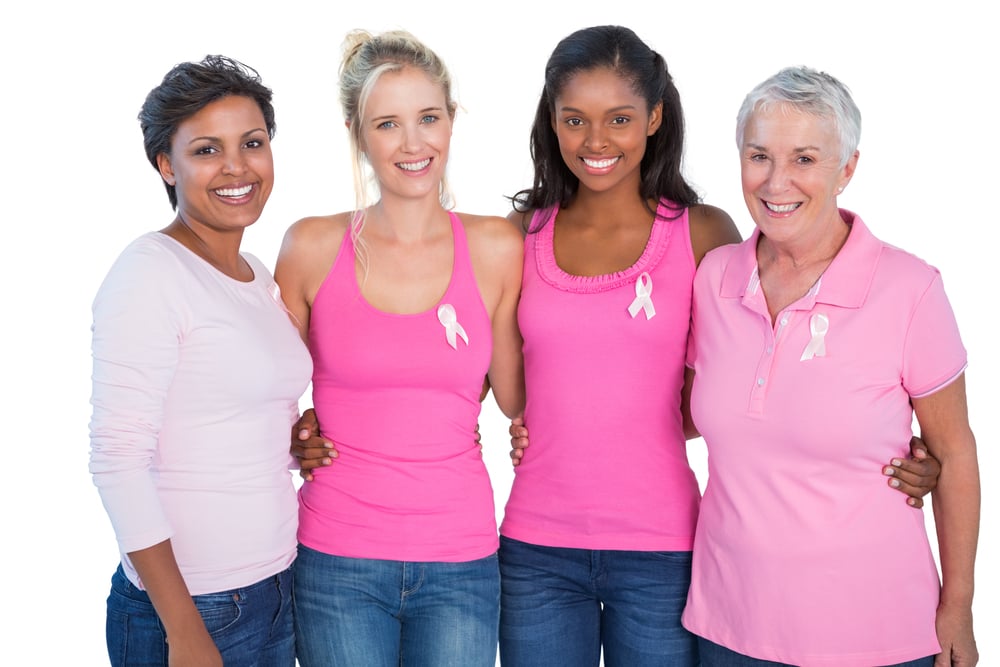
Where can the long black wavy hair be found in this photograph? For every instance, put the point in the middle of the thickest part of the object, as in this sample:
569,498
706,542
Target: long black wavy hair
620,50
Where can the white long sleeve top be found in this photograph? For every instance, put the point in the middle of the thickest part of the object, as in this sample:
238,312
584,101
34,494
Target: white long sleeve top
196,384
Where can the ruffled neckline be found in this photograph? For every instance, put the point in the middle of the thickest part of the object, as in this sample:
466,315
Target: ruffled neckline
549,270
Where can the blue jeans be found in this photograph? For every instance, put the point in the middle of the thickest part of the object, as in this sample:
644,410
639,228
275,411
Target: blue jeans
251,626
714,655
559,606
360,612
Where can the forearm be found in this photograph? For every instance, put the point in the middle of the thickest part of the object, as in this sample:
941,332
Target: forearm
161,577
956,503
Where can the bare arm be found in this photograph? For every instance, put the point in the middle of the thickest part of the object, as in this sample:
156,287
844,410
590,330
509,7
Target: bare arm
190,643
497,250
944,423
711,227
307,253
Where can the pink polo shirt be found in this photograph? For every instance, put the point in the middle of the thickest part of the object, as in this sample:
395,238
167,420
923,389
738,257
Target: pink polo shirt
803,554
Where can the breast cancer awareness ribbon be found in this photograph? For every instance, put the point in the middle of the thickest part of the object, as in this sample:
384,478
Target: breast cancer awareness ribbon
449,320
819,324
643,292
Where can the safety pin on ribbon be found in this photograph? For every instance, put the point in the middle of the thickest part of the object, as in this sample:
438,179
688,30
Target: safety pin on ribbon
449,320
819,325
643,292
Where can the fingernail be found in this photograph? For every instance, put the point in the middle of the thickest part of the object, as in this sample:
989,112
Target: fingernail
894,483
303,434
888,471
897,462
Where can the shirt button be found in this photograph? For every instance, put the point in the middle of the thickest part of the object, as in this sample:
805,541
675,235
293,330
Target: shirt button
760,382
770,349
784,321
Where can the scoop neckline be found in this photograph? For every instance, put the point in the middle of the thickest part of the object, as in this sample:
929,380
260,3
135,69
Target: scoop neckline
552,273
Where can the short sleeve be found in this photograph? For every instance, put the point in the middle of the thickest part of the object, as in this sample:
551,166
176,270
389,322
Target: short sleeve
933,354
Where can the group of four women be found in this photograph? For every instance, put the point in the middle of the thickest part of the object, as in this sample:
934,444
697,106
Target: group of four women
586,320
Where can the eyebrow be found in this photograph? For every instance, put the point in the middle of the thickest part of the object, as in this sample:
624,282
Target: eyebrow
390,116
624,107
242,136
801,149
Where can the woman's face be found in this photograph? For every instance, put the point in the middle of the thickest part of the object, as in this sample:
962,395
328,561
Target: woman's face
602,125
407,133
220,163
790,164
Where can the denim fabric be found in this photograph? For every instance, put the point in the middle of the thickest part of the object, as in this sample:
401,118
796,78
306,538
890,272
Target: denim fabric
251,626
560,606
714,655
359,612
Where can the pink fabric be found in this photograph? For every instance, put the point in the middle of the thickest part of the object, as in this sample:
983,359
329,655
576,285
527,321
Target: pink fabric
197,379
803,554
402,406
607,467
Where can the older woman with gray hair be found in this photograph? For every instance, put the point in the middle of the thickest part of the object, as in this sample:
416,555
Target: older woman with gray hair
814,345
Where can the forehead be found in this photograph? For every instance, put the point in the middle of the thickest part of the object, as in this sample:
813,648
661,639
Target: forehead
409,87
233,114
782,124
601,87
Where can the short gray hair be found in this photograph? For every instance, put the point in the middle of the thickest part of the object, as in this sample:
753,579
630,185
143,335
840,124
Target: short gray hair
812,92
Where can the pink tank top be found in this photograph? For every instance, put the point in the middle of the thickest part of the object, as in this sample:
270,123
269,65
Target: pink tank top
604,366
399,395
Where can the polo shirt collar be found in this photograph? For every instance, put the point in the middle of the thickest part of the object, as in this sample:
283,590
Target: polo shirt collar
844,283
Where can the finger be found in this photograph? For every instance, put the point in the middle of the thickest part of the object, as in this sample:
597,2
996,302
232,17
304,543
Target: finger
914,493
920,474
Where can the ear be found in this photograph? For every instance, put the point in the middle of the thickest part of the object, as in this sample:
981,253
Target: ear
655,119
166,169
847,173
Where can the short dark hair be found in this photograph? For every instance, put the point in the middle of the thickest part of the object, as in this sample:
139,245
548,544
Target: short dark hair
187,89
620,50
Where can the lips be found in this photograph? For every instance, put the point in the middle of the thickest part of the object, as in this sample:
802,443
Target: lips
602,163
235,192
781,208
414,166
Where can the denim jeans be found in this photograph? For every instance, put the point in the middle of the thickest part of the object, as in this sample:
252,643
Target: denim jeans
359,612
560,606
251,626
714,655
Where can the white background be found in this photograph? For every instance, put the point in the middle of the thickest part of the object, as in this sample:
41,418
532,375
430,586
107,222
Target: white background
75,189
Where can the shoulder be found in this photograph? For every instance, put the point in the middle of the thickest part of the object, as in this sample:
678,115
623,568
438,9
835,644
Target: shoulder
900,267
521,220
319,229
315,236
491,231
496,246
711,227
144,262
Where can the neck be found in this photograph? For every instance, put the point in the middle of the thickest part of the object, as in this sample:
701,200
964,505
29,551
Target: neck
220,249
804,252
611,207
406,220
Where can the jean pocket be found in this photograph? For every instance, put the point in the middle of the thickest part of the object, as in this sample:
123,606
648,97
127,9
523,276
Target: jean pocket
218,611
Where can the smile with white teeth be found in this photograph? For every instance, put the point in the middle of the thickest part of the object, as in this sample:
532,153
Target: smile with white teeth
782,208
413,166
600,164
234,192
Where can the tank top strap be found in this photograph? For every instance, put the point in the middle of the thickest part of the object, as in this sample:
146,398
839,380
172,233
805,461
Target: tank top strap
462,273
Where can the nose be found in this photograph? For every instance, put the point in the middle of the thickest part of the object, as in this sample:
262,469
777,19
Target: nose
597,138
412,140
235,162
777,177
